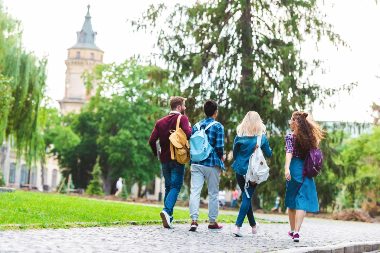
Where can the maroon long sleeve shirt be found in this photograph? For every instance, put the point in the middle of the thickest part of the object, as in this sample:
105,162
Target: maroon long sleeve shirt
161,131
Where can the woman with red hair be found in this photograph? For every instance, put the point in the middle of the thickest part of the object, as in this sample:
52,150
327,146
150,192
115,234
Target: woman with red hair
301,193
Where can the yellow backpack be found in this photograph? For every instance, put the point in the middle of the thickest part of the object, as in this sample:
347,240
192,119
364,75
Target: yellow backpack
179,145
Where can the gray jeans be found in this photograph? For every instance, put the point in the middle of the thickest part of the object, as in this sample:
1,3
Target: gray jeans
199,174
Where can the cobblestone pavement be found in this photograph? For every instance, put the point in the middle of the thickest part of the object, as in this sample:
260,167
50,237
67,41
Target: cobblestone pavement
271,237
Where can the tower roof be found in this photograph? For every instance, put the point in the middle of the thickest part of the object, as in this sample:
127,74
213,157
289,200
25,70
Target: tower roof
86,36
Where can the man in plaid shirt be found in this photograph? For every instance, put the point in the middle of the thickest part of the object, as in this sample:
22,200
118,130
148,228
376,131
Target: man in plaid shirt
208,169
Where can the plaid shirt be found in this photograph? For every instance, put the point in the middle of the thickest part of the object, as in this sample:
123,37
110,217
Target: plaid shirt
215,136
290,145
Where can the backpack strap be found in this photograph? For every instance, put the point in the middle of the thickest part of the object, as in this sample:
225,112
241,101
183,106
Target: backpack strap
210,125
258,141
197,127
172,156
178,121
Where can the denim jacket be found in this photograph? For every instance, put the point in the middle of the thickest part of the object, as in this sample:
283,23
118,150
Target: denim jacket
243,149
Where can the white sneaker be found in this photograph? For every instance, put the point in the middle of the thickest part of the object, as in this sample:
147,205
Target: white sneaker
255,228
165,217
237,232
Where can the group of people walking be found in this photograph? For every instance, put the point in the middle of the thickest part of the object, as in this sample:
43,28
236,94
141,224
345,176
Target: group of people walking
206,166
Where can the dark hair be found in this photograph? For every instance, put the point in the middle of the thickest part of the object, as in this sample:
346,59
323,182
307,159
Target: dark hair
308,133
176,101
210,107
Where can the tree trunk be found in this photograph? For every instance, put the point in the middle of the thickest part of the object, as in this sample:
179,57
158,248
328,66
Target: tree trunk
107,184
43,175
3,155
139,188
246,82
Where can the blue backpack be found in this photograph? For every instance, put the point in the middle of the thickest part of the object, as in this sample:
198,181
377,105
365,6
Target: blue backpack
200,148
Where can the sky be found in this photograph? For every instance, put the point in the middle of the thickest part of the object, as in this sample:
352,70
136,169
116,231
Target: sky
49,29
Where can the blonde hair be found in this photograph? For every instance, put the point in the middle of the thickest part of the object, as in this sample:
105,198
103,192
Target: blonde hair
251,125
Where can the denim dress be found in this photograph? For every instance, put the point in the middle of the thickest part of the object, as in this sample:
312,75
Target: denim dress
301,192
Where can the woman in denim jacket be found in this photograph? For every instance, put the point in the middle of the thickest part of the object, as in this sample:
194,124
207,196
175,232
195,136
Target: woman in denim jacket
245,144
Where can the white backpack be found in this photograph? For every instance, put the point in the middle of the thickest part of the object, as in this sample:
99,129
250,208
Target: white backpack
258,170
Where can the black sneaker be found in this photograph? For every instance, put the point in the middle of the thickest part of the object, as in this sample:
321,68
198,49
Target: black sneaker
193,226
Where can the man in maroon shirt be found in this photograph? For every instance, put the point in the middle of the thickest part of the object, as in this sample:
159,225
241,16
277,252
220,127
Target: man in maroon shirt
172,170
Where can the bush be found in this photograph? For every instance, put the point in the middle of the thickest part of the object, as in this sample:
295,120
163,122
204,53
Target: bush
124,192
96,185
2,182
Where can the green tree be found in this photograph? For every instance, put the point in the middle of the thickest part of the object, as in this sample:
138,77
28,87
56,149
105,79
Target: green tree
246,55
360,158
115,125
22,87
130,97
96,185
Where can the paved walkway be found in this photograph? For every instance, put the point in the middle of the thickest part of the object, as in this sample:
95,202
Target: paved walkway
271,237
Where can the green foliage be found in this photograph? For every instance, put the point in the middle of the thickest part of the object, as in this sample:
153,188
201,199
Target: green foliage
115,125
96,185
22,87
6,101
360,159
236,53
2,181
130,97
124,191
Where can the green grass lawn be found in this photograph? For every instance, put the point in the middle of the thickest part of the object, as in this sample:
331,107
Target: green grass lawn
40,210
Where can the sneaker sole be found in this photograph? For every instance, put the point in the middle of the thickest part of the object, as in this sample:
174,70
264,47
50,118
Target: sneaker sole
238,235
215,229
296,240
164,221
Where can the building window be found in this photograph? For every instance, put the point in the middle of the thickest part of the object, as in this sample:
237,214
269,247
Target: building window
78,55
54,178
12,173
24,175
92,56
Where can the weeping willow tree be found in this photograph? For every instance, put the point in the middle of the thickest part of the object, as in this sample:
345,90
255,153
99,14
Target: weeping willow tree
22,86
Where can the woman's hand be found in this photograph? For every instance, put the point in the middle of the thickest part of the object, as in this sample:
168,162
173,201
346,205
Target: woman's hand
288,158
287,174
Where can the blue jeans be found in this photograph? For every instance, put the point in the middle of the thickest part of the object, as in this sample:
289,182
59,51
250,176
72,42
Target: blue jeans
246,204
173,173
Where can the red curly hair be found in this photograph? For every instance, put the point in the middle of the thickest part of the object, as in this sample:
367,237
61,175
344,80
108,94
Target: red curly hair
308,134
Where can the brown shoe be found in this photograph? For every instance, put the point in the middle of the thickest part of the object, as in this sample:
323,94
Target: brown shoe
193,226
215,226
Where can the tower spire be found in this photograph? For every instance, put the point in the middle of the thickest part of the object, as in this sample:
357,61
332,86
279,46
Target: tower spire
86,36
